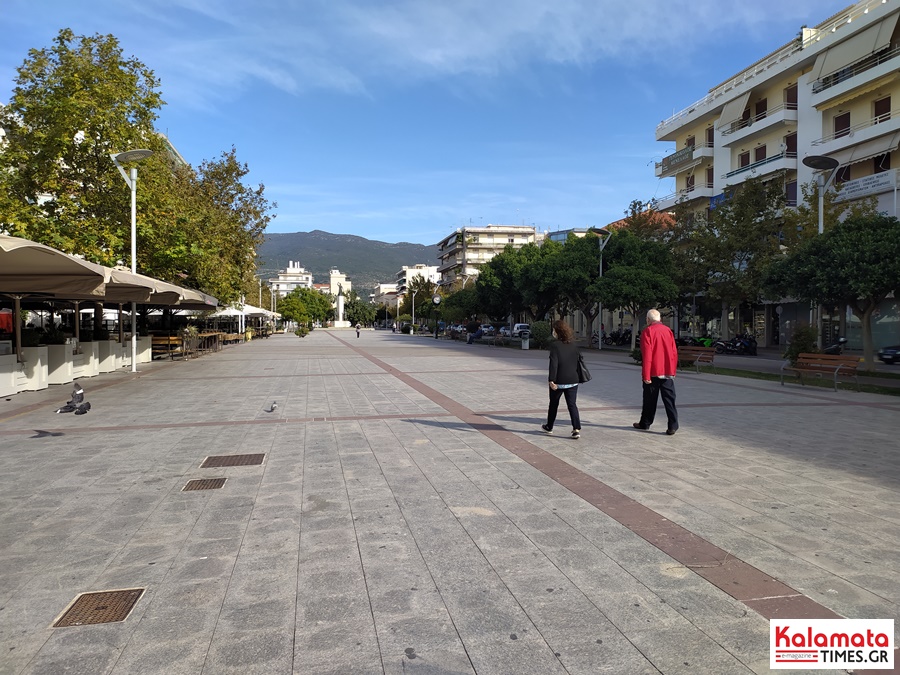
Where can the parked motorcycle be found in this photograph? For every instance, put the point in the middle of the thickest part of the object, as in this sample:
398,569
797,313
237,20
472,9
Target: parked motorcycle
739,344
837,348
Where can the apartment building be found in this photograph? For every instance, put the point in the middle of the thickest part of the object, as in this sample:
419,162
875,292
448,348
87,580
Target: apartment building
463,253
829,92
289,279
407,274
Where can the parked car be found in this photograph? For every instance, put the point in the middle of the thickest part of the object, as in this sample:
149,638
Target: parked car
520,328
504,331
889,355
487,329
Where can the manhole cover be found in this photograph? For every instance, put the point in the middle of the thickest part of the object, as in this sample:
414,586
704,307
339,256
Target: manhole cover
100,607
204,484
231,460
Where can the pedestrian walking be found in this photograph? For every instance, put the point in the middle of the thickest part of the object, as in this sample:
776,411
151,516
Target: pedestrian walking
563,377
659,359
357,329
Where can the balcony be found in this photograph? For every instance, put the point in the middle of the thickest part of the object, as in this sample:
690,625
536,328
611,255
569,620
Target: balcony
744,130
859,133
704,191
856,79
668,168
783,161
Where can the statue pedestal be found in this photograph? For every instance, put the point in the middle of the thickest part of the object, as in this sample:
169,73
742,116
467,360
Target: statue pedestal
342,324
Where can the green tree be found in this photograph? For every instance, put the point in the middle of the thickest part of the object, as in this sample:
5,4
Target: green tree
639,275
578,271
854,263
357,311
74,105
420,291
460,305
539,277
305,306
499,285
802,223
739,241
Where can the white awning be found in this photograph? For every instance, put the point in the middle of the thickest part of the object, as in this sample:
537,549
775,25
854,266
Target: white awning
872,39
868,150
733,110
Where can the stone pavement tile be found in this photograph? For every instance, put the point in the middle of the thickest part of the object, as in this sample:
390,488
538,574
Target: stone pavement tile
247,651
174,640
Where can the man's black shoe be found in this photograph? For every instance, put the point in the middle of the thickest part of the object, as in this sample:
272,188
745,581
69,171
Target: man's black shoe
638,425
671,432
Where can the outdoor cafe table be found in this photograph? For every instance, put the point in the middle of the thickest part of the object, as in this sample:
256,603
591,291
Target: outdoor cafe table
211,341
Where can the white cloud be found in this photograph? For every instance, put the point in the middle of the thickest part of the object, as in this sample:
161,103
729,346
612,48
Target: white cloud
218,48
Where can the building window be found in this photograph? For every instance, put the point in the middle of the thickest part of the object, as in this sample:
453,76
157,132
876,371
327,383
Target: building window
883,110
690,142
882,163
790,193
759,153
790,97
709,177
842,175
790,145
743,159
841,125
760,109
511,241
711,137
689,183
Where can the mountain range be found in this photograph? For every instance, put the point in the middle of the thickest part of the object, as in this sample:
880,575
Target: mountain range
366,262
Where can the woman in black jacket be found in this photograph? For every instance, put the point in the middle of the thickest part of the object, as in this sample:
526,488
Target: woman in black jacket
563,377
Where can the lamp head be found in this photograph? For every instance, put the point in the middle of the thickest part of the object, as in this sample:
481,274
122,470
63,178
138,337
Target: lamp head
133,155
820,162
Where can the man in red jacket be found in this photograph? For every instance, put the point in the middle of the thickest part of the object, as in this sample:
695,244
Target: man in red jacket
659,359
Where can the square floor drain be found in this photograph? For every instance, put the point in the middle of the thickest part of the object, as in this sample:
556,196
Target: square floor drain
204,484
100,607
231,460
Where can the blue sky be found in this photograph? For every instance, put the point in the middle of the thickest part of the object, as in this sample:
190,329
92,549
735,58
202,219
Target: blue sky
401,120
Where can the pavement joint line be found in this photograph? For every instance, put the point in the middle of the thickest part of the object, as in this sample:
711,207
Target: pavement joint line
672,539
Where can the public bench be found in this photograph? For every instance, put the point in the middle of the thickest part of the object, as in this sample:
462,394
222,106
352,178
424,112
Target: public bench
697,356
819,365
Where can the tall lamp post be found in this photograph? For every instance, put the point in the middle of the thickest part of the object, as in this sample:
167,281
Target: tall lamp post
823,164
413,327
436,301
603,237
131,180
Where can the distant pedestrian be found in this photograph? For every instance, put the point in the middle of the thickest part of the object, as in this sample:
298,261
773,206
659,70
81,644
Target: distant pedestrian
563,377
659,359
357,329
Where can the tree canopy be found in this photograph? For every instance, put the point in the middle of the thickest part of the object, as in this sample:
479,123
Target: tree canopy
74,105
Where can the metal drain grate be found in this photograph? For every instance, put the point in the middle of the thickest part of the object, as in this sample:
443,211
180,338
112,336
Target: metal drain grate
100,607
231,460
204,484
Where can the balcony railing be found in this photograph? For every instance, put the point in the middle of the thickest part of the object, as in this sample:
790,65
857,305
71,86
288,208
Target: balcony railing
762,162
847,72
737,125
850,131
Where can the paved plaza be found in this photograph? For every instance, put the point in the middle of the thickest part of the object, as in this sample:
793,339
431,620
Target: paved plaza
410,516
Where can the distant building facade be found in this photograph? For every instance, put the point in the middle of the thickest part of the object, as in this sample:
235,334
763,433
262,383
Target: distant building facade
463,253
407,274
289,279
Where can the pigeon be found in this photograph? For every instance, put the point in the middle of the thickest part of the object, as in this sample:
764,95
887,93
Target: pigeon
274,407
75,403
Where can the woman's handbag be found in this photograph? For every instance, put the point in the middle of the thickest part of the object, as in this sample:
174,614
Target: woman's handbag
584,375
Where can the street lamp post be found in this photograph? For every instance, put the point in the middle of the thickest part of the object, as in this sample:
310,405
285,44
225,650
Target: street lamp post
131,180
602,239
413,327
823,164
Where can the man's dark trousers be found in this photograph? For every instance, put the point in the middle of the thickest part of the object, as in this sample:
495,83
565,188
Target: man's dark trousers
652,391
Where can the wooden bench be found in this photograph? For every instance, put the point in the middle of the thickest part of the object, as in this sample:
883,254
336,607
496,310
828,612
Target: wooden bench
697,356
818,365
